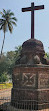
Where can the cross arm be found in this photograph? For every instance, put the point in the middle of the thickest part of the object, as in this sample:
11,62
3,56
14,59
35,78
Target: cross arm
26,9
39,7
34,8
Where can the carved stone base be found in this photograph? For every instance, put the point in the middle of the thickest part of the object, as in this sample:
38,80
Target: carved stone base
30,83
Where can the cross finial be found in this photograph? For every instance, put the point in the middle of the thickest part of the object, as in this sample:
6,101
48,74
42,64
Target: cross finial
32,9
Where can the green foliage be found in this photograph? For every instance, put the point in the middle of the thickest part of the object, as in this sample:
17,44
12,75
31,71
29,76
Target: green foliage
11,61
4,77
7,21
7,62
3,65
10,57
47,55
5,85
18,51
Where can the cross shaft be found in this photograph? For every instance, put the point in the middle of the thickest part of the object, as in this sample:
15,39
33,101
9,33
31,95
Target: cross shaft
32,9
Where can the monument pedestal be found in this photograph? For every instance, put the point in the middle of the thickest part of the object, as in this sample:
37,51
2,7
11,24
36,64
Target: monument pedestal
31,77
30,83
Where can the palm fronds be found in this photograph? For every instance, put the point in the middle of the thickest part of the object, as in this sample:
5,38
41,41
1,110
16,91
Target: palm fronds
7,21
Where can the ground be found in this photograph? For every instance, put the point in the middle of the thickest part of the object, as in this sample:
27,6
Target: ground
5,96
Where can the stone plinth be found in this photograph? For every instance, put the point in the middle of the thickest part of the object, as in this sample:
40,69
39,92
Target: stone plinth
30,83
31,77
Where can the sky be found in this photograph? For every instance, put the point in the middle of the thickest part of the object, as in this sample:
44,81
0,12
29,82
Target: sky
22,32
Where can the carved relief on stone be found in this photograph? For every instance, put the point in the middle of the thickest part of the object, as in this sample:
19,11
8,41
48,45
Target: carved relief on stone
28,79
43,80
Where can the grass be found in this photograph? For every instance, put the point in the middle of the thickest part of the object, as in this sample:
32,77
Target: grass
5,86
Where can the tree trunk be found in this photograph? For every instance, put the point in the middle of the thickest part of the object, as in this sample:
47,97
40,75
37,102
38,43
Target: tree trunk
3,44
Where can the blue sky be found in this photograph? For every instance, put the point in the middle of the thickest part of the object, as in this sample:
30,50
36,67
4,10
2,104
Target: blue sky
22,32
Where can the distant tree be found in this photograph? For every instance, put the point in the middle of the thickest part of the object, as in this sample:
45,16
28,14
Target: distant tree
18,51
47,55
7,63
10,57
4,65
6,22
4,77
11,61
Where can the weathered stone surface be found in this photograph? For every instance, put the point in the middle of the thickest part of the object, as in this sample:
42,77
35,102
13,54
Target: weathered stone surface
36,59
31,75
30,83
33,45
32,53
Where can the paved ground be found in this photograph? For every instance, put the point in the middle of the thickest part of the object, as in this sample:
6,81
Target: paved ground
5,98
5,95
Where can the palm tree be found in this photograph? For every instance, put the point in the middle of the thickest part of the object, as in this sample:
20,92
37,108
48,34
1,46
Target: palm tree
6,22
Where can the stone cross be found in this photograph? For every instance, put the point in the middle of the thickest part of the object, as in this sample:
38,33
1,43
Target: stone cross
32,8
